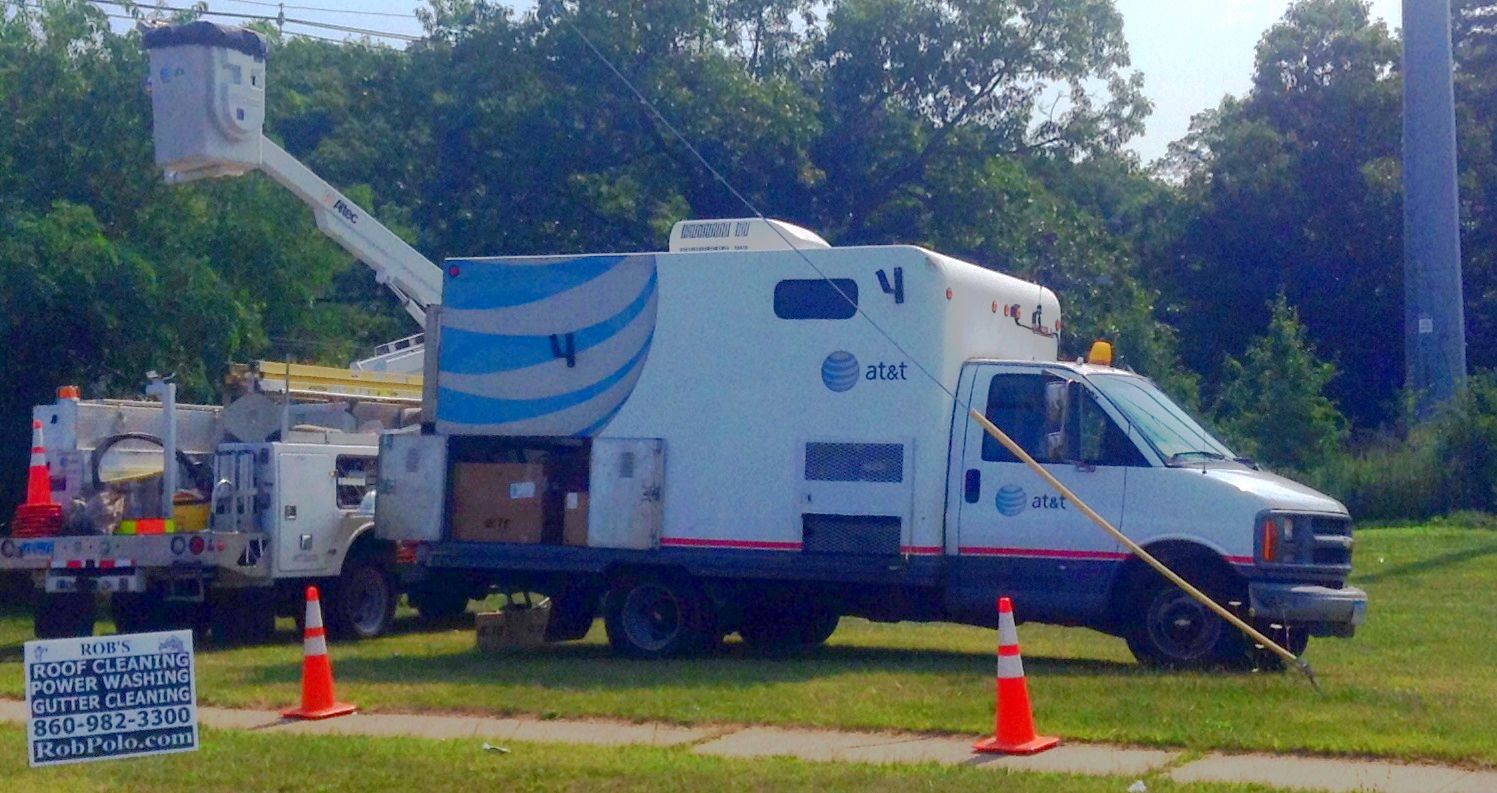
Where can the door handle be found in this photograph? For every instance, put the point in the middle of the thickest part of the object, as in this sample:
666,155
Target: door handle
973,489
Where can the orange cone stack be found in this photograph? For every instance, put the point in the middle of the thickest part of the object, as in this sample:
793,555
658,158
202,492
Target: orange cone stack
40,516
317,700
1014,729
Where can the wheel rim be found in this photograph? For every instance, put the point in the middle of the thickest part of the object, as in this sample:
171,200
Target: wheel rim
652,617
1182,628
367,601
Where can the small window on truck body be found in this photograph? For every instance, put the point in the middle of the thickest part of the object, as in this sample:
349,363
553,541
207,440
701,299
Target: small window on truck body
816,298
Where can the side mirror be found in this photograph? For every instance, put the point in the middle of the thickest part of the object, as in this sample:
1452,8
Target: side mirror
1055,447
1057,400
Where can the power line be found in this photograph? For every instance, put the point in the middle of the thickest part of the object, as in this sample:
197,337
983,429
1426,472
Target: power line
323,10
276,20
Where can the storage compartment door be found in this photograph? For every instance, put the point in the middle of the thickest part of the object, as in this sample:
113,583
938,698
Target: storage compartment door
412,490
624,503
308,512
856,496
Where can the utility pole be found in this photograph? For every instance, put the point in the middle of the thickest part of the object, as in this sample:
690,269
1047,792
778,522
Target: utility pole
1434,323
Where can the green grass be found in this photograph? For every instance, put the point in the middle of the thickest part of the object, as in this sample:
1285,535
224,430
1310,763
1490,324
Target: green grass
244,762
1418,682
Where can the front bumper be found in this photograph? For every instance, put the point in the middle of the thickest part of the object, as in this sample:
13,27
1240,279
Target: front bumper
1321,610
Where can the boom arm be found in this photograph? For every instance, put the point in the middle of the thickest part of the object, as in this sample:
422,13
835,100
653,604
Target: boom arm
208,107
414,279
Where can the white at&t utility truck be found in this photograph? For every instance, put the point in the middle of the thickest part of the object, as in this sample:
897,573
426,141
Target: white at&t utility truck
761,437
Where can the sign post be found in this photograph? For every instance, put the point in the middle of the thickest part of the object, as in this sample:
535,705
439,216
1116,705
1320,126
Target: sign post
106,697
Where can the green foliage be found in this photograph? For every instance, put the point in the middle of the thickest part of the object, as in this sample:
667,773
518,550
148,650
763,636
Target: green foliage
1272,403
1293,190
1446,465
1384,480
106,273
911,86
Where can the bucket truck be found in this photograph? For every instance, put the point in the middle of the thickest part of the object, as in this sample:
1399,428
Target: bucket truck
275,488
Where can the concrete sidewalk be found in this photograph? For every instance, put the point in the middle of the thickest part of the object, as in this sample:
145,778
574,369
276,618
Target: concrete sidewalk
1288,772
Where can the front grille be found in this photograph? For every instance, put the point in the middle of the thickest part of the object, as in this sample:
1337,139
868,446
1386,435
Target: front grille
1332,542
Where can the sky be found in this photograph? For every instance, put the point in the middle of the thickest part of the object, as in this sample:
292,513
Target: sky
1192,53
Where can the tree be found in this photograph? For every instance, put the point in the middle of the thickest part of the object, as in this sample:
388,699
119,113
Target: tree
908,83
1273,404
1296,190
1474,41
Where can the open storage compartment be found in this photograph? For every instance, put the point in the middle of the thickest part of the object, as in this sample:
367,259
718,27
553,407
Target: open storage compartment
518,490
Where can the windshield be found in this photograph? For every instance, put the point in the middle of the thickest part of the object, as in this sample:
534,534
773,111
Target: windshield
1174,433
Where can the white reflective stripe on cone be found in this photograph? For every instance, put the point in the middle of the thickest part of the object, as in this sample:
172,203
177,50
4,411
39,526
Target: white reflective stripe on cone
317,645
1010,666
314,615
1008,635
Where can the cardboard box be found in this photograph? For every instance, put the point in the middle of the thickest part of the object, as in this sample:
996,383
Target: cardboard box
498,502
514,627
574,519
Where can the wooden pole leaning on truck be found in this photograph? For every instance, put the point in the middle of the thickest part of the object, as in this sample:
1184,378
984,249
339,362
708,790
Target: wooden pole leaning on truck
1137,550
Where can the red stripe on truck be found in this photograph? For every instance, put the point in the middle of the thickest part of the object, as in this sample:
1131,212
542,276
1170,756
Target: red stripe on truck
1059,553
759,545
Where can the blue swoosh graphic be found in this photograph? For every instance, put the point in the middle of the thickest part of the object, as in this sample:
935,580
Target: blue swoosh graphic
460,407
468,352
490,284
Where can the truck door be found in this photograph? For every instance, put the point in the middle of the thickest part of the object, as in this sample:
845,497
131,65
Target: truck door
307,514
1016,534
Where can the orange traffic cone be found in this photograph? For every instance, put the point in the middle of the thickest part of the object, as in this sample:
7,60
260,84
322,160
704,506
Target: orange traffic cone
1013,732
39,516
317,701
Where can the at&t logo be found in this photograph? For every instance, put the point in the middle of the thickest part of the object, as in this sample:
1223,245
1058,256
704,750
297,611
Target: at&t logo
840,371
1011,500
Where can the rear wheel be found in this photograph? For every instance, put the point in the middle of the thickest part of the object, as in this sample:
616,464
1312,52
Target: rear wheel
362,603
658,618
136,612
63,615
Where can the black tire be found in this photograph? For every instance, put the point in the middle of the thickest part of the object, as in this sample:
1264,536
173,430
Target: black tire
361,604
439,605
1172,630
658,618
136,612
61,615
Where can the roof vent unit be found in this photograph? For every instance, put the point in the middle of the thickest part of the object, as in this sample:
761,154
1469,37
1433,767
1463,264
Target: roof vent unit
744,234
207,98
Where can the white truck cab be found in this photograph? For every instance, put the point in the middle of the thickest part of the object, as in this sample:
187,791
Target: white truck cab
1278,549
